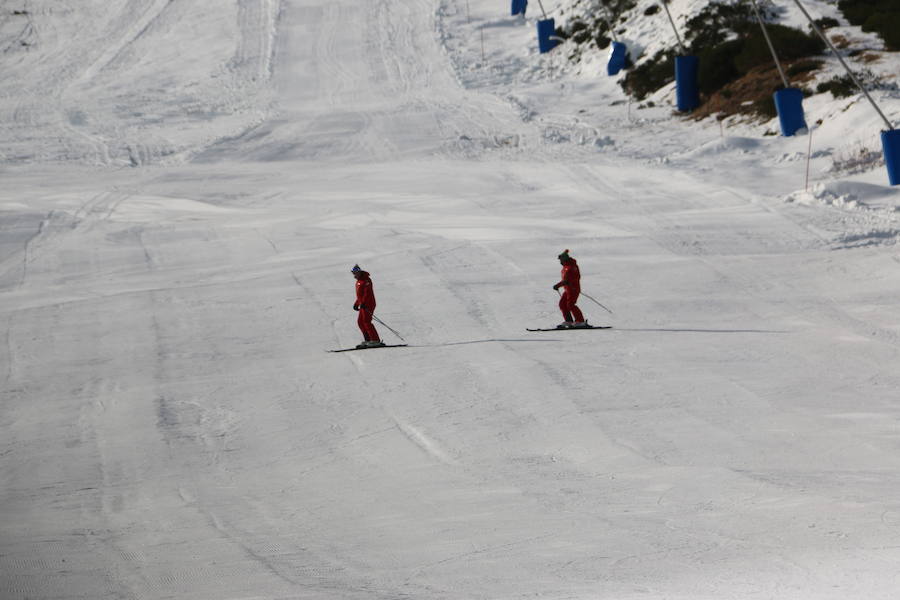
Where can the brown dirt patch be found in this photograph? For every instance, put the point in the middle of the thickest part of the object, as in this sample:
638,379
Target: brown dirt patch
751,94
840,41
870,57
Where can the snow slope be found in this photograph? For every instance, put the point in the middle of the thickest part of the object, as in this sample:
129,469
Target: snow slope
175,261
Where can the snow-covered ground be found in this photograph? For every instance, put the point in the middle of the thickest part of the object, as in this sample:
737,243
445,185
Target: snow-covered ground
185,187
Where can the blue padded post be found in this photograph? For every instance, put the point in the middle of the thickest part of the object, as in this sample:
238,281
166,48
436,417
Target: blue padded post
890,142
617,54
789,104
687,93
545,29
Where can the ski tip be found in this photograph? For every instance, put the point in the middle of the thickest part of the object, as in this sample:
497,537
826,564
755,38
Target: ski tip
370,348
571,328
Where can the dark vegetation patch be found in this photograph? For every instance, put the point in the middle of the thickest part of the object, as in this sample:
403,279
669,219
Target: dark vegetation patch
875,16
602,41
840,41
597,27
651,75
870,57
803,69
719,21
752,93
735,63
826,23
840,86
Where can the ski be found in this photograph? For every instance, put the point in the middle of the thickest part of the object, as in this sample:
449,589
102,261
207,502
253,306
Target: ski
370,348
573,328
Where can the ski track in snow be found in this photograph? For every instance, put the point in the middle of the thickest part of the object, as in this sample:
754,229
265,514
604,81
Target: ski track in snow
175,244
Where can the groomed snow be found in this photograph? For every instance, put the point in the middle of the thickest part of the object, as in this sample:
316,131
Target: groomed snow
185,187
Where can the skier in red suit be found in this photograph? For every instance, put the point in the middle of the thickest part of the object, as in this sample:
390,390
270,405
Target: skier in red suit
365,304
571,281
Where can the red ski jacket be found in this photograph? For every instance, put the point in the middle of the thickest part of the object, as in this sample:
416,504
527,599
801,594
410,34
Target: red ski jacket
571,277
365,294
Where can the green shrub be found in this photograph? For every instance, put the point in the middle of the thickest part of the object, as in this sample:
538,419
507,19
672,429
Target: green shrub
617,7
855,11
727,39
717,65
576,26
877,16
581,37
595,26
840,86
827,23
579,32
803,66
717,22
789,44
650,76
886,25
725,62
765,107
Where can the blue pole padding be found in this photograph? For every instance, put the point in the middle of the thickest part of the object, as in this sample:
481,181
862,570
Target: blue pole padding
617,55
545,30
789,104
890,141
687,93
519,6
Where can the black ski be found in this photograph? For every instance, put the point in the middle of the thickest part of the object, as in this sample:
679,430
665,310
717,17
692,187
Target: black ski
573,328
369,348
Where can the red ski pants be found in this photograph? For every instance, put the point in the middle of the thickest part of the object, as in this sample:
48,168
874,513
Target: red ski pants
365,325
568,308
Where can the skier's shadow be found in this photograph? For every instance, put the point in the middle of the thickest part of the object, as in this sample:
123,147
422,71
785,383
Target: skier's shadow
487,341
674,330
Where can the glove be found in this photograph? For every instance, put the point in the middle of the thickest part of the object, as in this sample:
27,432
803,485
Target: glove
556,286
356,307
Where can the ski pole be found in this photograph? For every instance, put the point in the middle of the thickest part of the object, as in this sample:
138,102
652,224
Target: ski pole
589,298
389,327
597,303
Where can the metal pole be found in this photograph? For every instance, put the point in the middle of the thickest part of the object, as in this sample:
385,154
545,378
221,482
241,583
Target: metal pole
597,303
808,153
844,64
675,29
609,21
769,42
389,327
541,4
482,45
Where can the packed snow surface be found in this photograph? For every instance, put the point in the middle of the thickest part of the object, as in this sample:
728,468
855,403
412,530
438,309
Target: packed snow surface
185,186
